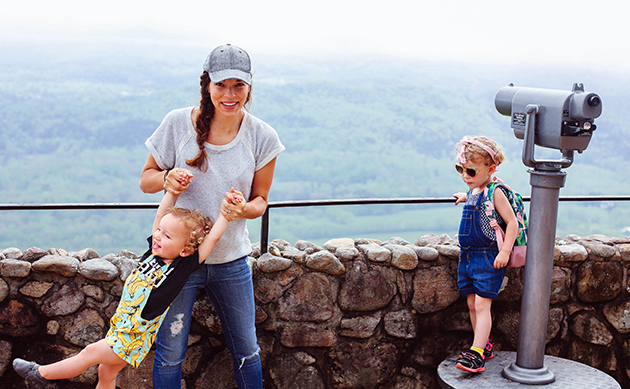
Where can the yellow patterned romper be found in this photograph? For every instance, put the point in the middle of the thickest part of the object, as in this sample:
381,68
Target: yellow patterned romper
129,335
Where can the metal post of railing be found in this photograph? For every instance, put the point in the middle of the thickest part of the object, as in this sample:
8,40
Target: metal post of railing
264,231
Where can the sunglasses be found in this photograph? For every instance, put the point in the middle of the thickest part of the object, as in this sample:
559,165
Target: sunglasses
471,172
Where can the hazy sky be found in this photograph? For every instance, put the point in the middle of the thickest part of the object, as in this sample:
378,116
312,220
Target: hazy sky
542,31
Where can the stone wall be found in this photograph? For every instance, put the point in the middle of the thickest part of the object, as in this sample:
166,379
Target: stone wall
350,314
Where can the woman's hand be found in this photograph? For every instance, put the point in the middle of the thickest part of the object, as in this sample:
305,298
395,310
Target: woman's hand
254,206
233,205
154,179
176,180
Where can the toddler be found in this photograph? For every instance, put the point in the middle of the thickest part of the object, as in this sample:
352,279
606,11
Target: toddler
181,240
481,265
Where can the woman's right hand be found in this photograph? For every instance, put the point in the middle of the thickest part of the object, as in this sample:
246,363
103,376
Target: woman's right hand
154,179
233,205
176,180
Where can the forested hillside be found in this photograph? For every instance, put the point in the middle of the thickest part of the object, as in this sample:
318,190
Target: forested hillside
74,118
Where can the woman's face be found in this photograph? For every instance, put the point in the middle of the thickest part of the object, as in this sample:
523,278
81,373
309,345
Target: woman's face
229,96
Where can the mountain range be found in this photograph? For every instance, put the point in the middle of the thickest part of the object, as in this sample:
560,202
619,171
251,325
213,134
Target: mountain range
74,117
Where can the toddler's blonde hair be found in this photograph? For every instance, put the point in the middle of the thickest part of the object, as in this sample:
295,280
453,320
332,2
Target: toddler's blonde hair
470,149
198,224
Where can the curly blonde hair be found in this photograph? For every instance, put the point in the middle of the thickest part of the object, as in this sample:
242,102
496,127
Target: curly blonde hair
198,224
471,150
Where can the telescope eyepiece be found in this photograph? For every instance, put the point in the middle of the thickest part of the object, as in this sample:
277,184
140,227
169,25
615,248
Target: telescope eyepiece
594,101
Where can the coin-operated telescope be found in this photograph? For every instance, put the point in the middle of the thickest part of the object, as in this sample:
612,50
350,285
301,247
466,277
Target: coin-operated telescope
559,120
550,118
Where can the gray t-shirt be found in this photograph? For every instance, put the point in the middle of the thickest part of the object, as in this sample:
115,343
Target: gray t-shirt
230,165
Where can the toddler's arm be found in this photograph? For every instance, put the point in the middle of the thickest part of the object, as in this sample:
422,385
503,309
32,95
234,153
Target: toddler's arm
460,197
169,199
503,207
217,230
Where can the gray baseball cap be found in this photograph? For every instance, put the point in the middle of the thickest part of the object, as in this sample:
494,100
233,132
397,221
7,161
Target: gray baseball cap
227,62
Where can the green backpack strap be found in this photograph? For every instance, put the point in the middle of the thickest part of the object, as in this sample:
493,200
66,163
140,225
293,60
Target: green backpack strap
488,202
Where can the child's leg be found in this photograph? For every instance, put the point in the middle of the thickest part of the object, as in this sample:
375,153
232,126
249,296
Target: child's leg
92,354
470,300
107,374
482,322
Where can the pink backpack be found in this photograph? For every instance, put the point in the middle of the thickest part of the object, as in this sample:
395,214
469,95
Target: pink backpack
519,251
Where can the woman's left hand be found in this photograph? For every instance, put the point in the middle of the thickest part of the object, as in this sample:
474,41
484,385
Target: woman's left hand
233,205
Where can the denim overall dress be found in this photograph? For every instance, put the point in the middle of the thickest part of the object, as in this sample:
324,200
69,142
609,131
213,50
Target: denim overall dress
476,273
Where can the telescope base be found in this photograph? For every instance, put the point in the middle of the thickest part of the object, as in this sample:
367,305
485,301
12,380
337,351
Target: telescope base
568,374
528,376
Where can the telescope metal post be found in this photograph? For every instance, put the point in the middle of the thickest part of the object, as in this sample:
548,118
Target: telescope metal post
546,180
532,334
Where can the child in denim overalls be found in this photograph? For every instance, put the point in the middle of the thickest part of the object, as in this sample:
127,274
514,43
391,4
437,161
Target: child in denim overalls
481,265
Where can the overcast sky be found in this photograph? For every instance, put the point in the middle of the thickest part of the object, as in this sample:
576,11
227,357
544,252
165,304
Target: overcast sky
540,31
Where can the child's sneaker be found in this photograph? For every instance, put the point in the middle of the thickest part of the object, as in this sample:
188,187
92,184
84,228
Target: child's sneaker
487,351
28,371
471,361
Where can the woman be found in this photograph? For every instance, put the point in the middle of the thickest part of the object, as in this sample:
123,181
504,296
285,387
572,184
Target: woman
228,150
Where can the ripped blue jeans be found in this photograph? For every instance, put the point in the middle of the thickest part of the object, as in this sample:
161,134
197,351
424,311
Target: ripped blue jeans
229,287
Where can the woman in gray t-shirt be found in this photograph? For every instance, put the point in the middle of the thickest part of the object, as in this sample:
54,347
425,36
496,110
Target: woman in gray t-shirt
227,149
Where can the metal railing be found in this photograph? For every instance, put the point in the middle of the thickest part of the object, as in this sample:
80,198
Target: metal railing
264,230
